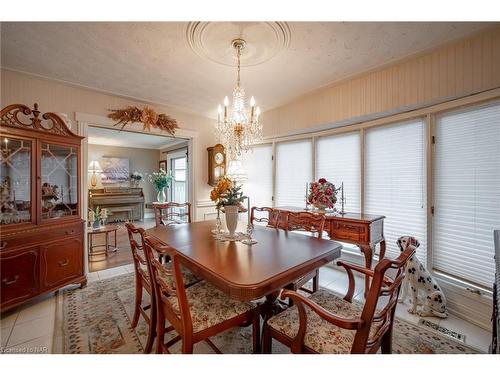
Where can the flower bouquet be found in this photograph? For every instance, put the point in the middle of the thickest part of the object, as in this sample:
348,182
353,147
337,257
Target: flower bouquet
322,194
228,194
136,178
160,181
96,217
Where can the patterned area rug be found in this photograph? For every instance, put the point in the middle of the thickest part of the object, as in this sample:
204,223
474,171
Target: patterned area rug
97,320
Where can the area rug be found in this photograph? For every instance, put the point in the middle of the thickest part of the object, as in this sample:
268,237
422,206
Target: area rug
97,319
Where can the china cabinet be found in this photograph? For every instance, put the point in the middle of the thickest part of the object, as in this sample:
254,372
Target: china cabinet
41,230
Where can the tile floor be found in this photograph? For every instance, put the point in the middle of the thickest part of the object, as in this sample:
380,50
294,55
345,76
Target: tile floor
30,328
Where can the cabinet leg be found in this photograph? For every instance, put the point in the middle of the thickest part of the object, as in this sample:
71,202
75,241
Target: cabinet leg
368,253
382,249
83,284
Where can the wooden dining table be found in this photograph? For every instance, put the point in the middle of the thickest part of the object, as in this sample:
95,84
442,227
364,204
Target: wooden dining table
248,272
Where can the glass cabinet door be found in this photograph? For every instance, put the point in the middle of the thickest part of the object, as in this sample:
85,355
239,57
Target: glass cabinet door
15,180
59,190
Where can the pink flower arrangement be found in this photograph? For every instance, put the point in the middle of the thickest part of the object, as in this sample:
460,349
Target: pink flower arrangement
322,194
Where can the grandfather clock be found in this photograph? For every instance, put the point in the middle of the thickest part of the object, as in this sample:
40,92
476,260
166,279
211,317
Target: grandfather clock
216,163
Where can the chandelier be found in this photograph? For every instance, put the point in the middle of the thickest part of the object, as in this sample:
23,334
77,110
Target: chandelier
237,128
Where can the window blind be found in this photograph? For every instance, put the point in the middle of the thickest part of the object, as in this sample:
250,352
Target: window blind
467,193
258,166
293,171
395,182
338,160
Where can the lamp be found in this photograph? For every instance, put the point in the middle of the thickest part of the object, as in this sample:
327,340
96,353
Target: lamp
238,127
94,168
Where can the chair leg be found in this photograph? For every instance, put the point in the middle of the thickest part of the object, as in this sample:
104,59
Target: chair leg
267,340
187,345
138,301
256,332
152,327
160,332
386,345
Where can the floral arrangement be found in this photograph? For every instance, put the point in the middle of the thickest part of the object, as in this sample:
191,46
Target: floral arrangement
322,194
161,179
136,176
147,116
98,214
227,193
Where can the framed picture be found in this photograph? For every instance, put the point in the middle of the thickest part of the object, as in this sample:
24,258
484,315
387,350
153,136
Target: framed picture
163,165
114,170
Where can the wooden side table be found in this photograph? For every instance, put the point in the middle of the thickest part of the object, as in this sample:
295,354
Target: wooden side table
106,230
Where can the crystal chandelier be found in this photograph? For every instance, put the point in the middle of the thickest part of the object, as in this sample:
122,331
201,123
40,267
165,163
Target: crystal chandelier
237,128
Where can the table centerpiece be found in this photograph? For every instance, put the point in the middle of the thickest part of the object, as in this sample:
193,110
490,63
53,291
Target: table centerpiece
322,195
228,196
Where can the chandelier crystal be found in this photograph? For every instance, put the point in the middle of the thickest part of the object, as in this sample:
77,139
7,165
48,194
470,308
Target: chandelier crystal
237,128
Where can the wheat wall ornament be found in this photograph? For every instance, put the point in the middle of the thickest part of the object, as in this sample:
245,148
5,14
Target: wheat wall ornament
148,117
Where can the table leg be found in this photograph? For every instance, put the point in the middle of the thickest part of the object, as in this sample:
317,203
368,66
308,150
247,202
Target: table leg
368,253
107,242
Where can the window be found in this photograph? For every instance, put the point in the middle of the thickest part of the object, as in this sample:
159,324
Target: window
258,166
395,182
293,171
338,160
467,193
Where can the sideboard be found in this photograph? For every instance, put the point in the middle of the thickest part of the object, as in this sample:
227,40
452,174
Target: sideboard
365,231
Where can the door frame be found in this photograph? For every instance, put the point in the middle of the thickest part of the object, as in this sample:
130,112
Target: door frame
84,120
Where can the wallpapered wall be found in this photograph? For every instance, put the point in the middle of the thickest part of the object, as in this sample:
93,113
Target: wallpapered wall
461,68
140,159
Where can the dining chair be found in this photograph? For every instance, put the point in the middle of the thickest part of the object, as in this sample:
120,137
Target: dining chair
197,312
143,282
326,323
270,219
314,225
172,213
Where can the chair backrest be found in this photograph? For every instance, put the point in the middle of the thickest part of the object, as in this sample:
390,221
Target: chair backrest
169,288
270,219
172,213
306,221
138,255
378,322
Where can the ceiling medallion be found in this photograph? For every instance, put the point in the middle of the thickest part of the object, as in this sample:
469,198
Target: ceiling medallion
237,128
264,41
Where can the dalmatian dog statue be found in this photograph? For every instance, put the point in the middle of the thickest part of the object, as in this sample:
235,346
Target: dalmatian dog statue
421,284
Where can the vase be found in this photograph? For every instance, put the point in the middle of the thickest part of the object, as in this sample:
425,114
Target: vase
232,213
320,207
161,198
96,224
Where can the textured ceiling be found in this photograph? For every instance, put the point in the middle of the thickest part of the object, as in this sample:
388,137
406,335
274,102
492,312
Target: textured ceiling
111,137
163,63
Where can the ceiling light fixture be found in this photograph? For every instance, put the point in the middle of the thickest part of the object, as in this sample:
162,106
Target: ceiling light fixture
237,128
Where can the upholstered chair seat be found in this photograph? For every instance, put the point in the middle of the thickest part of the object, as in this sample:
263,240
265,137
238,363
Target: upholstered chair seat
210,307
322,336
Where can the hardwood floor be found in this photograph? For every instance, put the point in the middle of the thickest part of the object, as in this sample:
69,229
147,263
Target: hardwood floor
123,255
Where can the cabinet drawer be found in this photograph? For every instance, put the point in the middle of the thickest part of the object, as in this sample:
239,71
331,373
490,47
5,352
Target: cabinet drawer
348,231
19,275
61,261
35,236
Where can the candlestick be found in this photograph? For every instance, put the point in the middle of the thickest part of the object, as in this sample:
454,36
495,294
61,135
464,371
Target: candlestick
307,191
248,203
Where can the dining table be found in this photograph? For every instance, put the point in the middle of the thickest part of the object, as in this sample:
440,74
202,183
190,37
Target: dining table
248,272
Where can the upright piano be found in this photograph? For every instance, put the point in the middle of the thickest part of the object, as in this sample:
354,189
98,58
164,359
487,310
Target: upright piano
122,203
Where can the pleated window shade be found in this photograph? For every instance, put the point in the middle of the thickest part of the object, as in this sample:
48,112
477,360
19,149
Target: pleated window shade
258,165
338,160
293,171
395,182
467,193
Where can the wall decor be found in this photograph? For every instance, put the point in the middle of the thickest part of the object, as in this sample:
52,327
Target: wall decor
147,116
115,170
163,165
